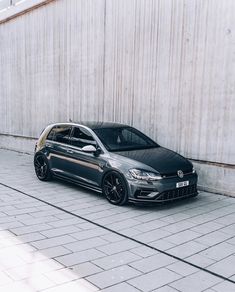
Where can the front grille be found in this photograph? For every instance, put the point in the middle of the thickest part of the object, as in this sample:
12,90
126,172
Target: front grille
177,193
174,174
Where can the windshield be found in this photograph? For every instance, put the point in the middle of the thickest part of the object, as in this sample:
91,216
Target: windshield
124,138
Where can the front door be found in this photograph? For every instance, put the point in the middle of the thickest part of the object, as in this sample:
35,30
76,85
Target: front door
84,167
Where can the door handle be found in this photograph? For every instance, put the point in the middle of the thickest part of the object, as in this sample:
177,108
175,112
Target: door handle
70,151
49,145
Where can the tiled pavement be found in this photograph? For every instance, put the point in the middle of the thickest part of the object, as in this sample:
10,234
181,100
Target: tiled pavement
52,247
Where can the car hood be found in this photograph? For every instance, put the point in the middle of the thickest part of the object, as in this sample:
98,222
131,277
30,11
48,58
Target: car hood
163,160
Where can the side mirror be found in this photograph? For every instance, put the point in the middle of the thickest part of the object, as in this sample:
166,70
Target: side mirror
91,149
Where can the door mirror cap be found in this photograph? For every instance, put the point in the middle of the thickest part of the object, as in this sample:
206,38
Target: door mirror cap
89,149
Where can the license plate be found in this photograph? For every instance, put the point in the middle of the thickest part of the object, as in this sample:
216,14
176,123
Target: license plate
182,184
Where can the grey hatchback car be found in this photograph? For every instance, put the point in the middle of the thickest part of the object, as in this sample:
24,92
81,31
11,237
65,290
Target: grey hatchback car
114,159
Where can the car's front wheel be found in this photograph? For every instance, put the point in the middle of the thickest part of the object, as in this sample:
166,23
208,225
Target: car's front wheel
41,166
114,188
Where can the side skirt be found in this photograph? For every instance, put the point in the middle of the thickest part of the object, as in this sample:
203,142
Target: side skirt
93,188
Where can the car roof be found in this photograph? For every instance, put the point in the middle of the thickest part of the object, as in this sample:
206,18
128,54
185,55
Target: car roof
101,125
93,125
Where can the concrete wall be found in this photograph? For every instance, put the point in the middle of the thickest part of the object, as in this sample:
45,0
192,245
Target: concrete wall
164,66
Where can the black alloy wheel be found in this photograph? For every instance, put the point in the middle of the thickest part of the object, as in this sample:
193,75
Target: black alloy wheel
114,188
42,168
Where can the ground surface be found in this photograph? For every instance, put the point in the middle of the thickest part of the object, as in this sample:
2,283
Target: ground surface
59,237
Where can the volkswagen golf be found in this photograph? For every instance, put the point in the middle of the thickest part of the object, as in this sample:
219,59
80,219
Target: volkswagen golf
114,159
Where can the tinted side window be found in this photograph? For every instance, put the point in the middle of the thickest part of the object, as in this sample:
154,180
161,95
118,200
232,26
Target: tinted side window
81,137
51,134
60,134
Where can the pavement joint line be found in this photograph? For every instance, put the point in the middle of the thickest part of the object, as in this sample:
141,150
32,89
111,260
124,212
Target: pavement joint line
122,235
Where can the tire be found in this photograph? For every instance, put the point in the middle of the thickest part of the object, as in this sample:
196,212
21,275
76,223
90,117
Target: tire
114,188
41,167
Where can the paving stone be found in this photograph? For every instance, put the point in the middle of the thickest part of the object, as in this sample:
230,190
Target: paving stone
61,276
213,238
18,286
9,225
144,251
224,286
30,237
179,226
39,282
80,245
182,237
80,257
123,224
4,279
130,232
153,280
60,231
187,249
86,225
225,267
86,234
116,260
65,222
113,276
226,219
152,235
10,260
144,227
21,211
196,282
182,268
55,241
55,251
74,286
30,229
232,240
50,212
122,287
112,237
33,269
117,247
152,263
34,221
229,229
207,227
200,260
85,269
219,251
162,244
151,216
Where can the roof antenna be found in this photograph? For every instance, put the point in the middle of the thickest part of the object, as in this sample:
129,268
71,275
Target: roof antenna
70,120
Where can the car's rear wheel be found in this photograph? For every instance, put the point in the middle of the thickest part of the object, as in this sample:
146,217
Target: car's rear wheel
41,166
114,188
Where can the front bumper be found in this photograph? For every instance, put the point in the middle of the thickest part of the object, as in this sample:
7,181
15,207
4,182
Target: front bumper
164,190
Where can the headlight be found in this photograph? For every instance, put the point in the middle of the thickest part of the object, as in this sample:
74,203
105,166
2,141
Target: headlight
144,175
194,170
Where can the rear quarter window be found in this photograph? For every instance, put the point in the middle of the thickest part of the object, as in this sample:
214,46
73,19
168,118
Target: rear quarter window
60,134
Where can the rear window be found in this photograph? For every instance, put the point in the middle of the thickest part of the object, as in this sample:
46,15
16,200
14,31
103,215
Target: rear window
60,134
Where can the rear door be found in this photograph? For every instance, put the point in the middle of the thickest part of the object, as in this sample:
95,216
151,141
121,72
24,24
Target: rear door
57,145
